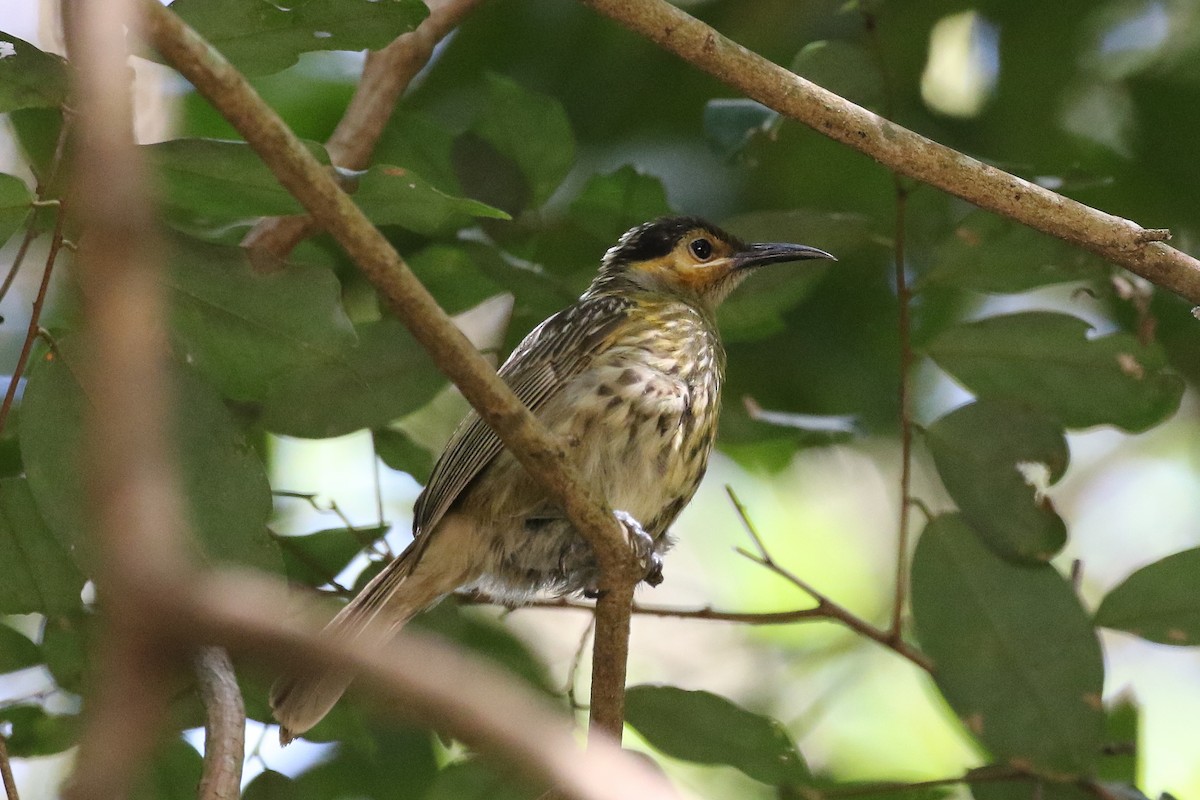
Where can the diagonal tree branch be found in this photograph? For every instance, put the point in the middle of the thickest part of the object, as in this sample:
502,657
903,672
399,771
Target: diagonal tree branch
386,74
1118,240
540,453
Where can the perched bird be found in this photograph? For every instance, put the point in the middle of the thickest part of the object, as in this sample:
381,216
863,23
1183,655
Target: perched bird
629,377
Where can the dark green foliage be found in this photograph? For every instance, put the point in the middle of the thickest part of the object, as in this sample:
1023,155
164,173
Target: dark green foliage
540,133
708,729
1013,651
1159,602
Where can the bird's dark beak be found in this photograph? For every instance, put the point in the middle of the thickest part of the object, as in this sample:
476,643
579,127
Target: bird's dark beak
756,255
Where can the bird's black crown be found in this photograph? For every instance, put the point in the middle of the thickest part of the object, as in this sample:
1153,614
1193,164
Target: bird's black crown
657,238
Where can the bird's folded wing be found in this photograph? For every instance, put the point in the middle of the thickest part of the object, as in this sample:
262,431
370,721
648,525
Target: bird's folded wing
553,353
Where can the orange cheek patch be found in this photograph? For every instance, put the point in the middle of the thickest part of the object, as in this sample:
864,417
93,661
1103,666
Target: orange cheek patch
689,276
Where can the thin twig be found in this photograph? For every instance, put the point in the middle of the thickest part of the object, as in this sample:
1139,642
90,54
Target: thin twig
1118,240
40,201
707,613
32,331
576,663
825,606
540,453
6,776
385,76
224,726
903,335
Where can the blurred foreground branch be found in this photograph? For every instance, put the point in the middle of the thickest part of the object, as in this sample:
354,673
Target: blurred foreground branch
385,76
540,453
1118,240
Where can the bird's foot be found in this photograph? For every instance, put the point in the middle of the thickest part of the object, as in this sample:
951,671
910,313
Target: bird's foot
642,545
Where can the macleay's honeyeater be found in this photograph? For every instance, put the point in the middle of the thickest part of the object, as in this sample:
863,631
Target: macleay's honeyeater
629,377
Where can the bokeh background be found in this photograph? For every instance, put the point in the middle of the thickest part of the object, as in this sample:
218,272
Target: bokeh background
1100,100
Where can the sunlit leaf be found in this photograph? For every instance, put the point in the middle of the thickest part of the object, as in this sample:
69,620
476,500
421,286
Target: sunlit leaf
241,328
1047,360
998,479
705,728
1014,653
39,575
261,38
1159,602
29,77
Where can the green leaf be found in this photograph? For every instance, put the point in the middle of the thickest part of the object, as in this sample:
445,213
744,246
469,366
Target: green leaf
173,773
17,651
385,377
996,459
707,729
29,77
354,771
844,68
211,180
613,203
421,143
38,131
66,643
391,195
988,253
260,37
731,123
270,785
35,732
1122,739
315,559
532,129
223,481
401,453
1014,653
1159,602
1046,360
241,328
15,198
39,575
474,780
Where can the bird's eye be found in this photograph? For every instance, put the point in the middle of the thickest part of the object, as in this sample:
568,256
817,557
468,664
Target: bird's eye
701,249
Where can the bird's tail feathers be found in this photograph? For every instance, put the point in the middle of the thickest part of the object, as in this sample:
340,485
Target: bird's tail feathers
415,580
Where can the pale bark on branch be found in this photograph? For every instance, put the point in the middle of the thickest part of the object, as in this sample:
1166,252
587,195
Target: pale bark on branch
1120,241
